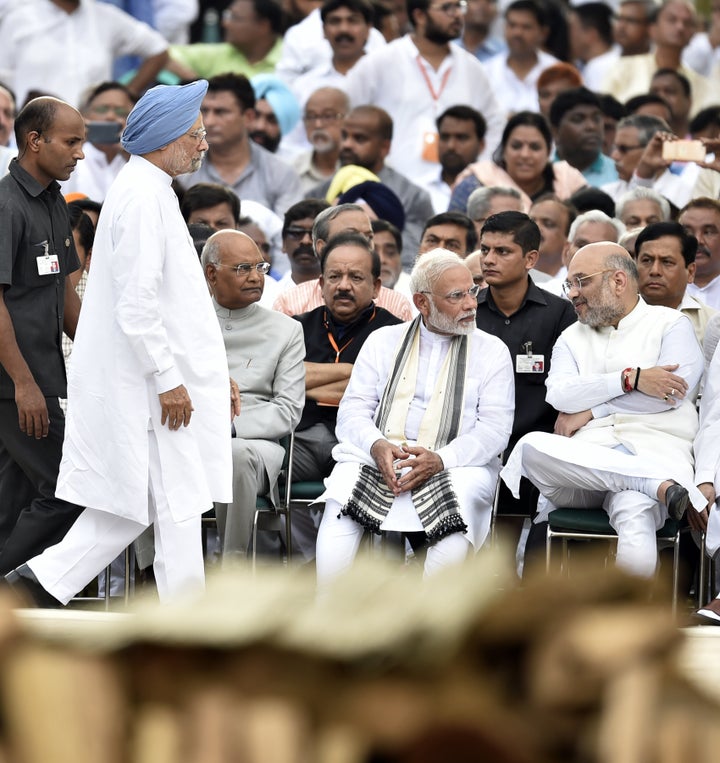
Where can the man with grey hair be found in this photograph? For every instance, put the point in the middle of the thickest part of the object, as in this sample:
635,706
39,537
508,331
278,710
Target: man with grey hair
306,296
637,153
426,414
641,206
588,228
269,374
624,380
490,200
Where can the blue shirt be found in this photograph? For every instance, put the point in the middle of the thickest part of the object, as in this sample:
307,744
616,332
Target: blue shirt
601,171
490,47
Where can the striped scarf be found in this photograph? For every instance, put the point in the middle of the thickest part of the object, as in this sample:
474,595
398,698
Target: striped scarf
435,500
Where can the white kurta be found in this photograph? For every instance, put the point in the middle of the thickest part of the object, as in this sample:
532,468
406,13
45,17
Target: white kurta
147,325
585,374
43,47
396,79
93,176
707,447
471,458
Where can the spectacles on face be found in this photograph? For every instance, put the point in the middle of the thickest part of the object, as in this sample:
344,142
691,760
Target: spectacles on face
244,268
327,117
577,282
103,110
456,297
298,234
451,9
198,135
624,149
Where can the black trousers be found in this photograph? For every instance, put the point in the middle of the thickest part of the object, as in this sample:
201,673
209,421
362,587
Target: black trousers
31,517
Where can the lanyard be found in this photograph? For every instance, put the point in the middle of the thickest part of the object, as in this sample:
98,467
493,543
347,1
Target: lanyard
331,338
337,349
435,96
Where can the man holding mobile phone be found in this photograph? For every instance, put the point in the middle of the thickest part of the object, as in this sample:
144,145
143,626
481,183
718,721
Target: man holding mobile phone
105,110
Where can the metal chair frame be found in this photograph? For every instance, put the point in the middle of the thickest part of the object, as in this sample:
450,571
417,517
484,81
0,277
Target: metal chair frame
611,538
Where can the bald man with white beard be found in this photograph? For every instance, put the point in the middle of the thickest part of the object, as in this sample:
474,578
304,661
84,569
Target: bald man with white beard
624,380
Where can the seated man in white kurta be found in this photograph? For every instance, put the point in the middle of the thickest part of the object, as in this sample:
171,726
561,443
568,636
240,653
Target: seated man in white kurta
624,379
421,426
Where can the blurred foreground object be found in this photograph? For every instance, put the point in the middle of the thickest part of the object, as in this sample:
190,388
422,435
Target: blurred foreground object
381,668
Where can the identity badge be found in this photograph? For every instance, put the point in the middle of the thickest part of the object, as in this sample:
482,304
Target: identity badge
430,147
529,364
48,264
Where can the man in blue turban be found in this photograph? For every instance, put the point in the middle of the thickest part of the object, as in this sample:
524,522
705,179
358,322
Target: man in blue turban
276,111
147,438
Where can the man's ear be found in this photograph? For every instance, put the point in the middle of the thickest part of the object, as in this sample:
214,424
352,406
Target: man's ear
531,258
33,141
210,274
421,302
620,280
691,272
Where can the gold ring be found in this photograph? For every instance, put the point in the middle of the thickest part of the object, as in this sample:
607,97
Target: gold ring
665,398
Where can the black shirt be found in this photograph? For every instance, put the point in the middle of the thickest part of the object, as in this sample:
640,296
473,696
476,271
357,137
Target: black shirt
34,221
541,319
320,331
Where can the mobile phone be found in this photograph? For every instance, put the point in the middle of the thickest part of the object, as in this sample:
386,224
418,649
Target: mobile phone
683,151
104,132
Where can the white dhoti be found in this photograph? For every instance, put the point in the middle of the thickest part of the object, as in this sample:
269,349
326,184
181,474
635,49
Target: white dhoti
712,534
98,537
570,473
339,536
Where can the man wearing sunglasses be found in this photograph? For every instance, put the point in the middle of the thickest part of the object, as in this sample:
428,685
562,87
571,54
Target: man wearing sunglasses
421,425
265,352
624,380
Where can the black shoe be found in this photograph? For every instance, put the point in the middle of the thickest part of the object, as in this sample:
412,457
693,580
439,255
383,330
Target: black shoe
676,500
23,580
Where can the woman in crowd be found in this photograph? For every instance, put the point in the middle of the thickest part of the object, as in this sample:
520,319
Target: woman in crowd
521,161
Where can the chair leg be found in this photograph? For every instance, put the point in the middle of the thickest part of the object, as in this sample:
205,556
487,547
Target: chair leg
106,594
702,573
676,574
288,534
254,539
565,557
548,550
129,565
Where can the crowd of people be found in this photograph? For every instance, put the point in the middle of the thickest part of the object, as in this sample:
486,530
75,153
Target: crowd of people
445,245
